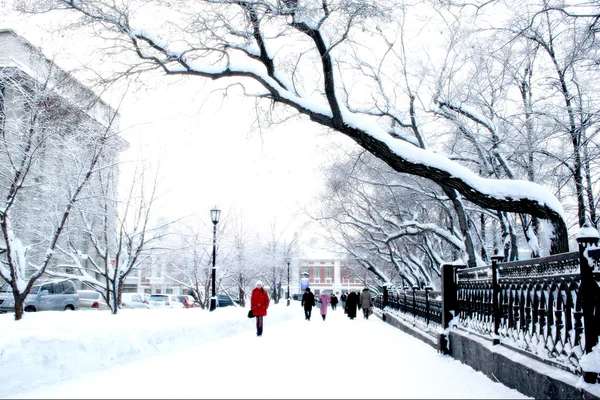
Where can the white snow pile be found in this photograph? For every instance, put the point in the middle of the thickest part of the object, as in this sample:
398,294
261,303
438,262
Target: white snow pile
52,345
591,362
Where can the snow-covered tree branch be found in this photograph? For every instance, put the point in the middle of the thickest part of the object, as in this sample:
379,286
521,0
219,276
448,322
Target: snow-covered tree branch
259,41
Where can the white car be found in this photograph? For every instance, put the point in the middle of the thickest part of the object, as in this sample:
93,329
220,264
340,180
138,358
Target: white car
134,300
91,300
165,301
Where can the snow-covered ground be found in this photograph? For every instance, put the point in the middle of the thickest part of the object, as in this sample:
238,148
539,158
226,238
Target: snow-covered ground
192,353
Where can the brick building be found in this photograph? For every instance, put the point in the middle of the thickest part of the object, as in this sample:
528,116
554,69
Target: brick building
326,275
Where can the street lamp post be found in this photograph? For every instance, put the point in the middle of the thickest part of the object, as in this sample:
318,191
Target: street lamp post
215,213
288,260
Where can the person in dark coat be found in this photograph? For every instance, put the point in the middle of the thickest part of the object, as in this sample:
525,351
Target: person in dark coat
343,298
334,302
351,304
308,302
259,302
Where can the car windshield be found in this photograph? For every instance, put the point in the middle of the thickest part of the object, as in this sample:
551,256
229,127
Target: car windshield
5,288
159,298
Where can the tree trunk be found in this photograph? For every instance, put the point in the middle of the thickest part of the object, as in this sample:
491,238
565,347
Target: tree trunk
18,308
242,297
463,223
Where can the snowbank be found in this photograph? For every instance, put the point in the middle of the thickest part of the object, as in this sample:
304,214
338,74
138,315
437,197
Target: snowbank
47,346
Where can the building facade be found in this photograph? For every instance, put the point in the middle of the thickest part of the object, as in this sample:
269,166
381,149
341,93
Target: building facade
326,275
69,118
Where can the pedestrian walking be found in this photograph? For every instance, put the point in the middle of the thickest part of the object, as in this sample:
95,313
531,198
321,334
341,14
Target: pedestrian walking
308,302
351,303
259,302
343,298
334,302
365,302
324,299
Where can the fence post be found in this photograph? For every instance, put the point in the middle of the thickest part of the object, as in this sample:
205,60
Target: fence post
385,296
496,258
587,237
449,293
449,302
414,303
427,289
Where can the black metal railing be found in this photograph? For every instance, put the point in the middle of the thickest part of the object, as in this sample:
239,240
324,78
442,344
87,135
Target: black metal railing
419,307
536,308
547,308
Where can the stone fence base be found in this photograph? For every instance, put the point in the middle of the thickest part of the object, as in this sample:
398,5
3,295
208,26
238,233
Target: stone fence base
501,364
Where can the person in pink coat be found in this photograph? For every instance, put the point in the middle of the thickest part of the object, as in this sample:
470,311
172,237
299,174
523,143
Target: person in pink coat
324,299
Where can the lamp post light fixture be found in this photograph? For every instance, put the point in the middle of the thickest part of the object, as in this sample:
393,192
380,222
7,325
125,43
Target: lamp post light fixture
215,213
288,260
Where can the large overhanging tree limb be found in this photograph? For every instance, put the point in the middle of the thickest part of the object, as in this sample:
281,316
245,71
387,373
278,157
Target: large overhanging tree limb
225,56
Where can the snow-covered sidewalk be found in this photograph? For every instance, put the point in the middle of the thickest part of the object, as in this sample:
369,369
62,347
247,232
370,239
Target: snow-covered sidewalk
198,354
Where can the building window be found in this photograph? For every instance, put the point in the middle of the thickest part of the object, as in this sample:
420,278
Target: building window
169,291
327,273
305,271
317,274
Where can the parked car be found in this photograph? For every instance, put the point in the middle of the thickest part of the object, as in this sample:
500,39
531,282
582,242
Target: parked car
55,295
223,300
188,301
91,300
164,301
134,300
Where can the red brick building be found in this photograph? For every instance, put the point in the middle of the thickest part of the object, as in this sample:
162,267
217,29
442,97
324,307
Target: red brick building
327,275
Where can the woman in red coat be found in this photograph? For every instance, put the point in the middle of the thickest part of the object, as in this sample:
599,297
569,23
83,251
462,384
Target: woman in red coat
259,302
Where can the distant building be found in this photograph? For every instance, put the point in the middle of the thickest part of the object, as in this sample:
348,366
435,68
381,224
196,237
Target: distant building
151,278
327,275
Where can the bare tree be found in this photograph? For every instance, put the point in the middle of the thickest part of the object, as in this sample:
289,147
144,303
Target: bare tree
192,267
244,261
121,248
576,117
385,219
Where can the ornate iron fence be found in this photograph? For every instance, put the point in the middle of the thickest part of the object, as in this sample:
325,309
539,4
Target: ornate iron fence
547,308
422,308
536,308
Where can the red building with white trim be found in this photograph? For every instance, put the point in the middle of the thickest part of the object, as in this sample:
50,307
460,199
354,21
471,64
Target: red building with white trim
328,275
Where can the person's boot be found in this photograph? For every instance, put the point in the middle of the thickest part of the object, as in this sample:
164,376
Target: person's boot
260,331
